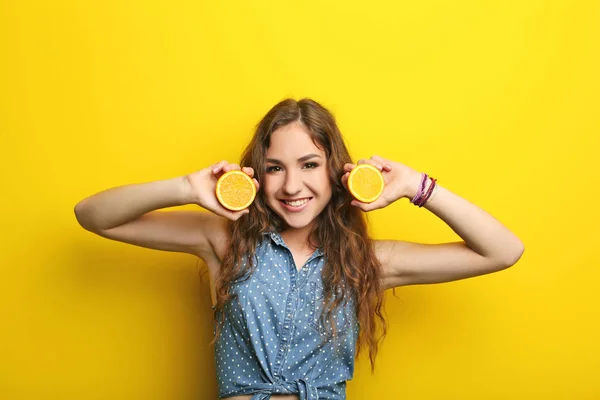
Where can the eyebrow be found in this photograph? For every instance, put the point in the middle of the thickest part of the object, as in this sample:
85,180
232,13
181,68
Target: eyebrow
301,159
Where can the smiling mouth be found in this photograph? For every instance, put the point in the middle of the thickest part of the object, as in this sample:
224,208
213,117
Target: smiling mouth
296,203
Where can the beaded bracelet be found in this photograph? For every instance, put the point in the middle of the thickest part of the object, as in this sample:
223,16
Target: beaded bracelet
428,194
421,198
421,188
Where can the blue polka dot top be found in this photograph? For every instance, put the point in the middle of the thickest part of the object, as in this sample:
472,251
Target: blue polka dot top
273,340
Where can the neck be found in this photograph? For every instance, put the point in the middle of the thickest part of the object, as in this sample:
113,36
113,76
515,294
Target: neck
297,238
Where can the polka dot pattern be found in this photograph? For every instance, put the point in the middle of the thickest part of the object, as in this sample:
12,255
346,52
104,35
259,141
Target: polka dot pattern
273,340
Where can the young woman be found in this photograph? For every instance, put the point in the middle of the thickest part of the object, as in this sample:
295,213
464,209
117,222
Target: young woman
296,282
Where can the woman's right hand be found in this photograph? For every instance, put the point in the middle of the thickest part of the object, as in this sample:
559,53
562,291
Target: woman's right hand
202,185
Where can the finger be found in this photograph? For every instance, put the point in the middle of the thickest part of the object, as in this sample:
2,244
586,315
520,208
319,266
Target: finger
379,203
387,164
374,163
217,163
364,206
217,167
235,215
249,171
358,204
349,167
345,180
256,183
231,167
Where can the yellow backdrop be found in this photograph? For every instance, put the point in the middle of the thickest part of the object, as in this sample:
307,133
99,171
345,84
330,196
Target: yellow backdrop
498,100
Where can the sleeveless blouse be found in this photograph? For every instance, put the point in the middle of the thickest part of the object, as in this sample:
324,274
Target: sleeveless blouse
273,340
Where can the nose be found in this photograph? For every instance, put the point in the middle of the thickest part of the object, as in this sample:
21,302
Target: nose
292,184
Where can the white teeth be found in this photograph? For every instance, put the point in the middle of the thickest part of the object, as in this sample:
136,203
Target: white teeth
296,203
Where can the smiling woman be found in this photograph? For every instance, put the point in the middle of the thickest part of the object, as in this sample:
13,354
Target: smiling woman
296,281
296,177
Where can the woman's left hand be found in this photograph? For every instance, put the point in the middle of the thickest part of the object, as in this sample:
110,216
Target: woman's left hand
400,181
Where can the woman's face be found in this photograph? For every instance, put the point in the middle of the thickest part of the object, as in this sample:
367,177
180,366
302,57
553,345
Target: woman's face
296,183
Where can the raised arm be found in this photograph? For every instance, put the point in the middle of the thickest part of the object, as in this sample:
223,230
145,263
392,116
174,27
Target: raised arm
130,213
487,245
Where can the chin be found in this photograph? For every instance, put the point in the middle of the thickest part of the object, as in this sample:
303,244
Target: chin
296,220
296,223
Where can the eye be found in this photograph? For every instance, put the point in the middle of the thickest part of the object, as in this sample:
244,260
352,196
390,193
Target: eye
311,165
272,169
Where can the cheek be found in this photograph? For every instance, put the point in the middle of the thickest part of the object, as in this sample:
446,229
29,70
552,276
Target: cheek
269,185
325,184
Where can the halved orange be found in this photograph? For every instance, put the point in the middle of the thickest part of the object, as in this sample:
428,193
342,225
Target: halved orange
235,190
366,183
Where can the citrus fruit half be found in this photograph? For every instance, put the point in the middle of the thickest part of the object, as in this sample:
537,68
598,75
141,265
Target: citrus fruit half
235,190
365,183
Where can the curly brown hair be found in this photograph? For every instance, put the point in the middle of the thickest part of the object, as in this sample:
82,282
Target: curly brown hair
352,270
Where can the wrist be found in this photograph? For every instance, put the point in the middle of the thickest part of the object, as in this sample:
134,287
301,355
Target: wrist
186,191
422,192
413,185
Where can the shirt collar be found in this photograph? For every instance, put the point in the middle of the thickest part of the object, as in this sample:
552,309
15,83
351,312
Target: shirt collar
276,237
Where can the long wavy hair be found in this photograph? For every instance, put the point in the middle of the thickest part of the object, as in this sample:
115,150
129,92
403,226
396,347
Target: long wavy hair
352,270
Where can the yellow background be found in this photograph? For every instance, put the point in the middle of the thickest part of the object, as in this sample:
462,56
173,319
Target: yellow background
498,100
